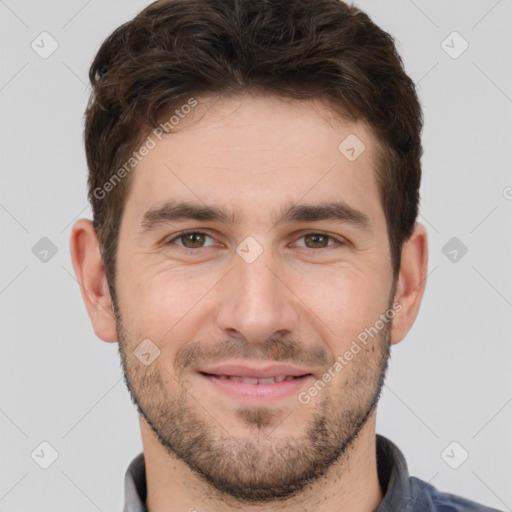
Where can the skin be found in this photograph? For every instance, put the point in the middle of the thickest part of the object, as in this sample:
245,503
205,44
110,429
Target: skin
303,300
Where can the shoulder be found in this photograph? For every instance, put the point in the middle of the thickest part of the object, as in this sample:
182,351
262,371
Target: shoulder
425,497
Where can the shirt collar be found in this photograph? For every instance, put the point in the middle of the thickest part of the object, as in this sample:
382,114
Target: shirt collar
135,489
393,477
391,468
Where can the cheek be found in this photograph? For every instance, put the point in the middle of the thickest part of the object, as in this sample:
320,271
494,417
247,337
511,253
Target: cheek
346,301
164,303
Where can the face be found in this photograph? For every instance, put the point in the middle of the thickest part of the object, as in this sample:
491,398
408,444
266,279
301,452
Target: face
278,263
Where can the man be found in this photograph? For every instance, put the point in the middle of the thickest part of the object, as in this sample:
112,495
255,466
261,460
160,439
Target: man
254,177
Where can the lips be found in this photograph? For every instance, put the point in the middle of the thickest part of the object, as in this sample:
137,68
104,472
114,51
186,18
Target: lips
257,390
257,385
253,380
269,374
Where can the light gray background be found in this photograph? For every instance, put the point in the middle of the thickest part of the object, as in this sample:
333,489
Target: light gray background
449,380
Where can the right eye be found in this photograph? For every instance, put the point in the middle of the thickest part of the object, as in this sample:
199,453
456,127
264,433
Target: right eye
190,240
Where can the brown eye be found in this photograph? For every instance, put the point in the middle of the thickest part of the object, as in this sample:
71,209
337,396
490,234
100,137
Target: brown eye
316,240
191,240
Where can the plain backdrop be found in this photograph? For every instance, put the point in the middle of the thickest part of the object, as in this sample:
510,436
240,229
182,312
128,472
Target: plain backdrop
448,392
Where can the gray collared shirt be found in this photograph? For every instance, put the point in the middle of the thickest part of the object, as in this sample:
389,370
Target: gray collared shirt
402,493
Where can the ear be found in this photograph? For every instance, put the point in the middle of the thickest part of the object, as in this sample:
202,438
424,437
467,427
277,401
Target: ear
91,276
411,282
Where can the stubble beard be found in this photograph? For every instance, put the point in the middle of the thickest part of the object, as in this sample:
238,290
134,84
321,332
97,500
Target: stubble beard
263,466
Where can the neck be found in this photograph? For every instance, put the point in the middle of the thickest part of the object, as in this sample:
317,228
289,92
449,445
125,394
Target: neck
351,484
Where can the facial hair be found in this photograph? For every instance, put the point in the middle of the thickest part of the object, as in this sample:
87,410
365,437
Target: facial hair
261,467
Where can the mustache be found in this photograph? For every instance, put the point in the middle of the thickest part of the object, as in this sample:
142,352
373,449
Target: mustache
273,349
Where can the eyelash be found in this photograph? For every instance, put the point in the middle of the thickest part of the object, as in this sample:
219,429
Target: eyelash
199,250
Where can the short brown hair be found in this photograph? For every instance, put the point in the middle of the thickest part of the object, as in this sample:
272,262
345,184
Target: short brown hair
174,49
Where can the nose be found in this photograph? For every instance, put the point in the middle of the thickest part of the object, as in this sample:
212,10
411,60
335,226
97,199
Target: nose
257,302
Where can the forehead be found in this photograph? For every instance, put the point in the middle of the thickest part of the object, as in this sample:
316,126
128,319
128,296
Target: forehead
253,153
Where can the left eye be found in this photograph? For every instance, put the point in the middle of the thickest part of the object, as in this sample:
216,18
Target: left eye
319,240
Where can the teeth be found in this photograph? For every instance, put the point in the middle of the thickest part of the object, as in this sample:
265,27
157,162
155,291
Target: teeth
254,380
249,380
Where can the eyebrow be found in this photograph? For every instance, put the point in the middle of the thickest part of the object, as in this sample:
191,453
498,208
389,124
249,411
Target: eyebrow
172,211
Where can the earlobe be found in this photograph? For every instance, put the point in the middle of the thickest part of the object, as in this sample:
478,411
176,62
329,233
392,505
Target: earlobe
411,282
91,276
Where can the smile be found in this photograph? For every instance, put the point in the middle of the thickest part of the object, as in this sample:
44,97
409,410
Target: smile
255,380
255,390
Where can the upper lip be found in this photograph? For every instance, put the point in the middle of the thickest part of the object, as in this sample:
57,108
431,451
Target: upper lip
258,373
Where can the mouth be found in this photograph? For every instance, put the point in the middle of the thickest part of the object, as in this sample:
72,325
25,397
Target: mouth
257,390
256,380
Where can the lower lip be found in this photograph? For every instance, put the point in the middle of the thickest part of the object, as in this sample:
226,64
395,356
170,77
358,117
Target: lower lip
259,392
